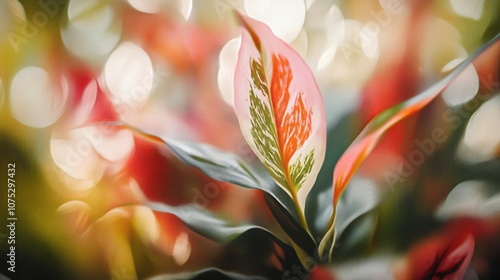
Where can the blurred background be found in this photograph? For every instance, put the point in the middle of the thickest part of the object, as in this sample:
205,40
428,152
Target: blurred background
68,68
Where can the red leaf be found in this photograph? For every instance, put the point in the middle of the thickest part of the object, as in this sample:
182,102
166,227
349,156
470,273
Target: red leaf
445,256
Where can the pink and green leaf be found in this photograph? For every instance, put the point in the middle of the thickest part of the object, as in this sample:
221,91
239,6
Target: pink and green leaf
280,109
364,144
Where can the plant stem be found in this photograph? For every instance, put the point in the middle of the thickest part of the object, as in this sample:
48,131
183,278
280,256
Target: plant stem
330,230
300,212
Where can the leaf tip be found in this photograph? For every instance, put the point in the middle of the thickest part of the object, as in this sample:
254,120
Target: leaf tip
246,23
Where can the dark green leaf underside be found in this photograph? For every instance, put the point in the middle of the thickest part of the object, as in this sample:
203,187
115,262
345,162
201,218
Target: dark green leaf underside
227,167
207,224
209,273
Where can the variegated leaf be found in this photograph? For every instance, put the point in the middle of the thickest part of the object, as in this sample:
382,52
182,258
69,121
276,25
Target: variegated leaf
366,141
280,109
364,144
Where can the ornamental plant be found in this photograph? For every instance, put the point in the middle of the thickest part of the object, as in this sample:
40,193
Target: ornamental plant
282,117
91,92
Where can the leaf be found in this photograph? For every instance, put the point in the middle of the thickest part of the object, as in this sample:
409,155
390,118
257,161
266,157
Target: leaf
207,224
319,202
361,197
445,256
280,110
293,230
356,217
220,165
359,150
209,273
202,221
217,164
366,141
230,168
227,167
357,238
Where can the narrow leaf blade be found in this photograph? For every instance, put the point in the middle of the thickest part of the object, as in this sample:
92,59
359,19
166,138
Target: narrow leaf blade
222,166
366,141
207,224
363,145
227,167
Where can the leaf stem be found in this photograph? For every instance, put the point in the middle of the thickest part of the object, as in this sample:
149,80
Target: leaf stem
330,231
300,212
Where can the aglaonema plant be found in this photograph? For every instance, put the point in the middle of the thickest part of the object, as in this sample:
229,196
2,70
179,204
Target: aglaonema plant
282,117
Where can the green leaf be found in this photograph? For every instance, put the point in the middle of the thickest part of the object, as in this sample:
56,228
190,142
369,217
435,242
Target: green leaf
207,224
222,166
209,273
319,203
202,221
298,234
228,167
357,237
361,197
